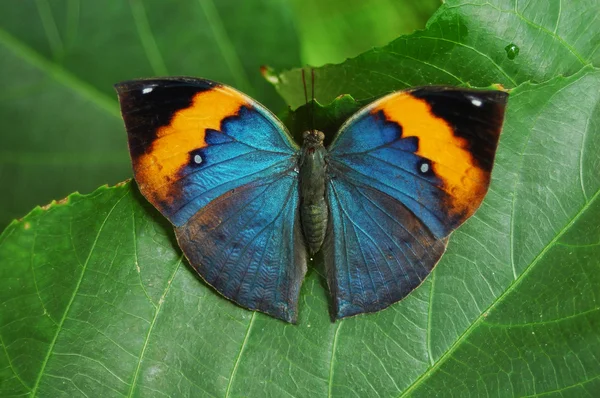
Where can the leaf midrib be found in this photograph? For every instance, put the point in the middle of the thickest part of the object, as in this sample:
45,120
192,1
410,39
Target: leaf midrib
500,299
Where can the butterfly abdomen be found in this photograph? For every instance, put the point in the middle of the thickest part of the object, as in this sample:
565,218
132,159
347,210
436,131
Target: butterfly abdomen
314,223
313,207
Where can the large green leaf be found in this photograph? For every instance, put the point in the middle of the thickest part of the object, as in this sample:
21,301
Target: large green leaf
95,299
467,42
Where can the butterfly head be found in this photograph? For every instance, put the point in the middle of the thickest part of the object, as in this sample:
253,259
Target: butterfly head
313,138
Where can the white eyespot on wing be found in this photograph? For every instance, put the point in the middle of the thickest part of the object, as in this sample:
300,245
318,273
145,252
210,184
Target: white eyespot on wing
147,90
476,101
424,167
197,159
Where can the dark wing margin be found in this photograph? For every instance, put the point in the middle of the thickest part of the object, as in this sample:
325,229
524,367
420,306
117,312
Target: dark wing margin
377,250
248,245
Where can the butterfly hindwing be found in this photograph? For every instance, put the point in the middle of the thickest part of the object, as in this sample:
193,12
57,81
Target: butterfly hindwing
376,252
220,167
248,245
408,169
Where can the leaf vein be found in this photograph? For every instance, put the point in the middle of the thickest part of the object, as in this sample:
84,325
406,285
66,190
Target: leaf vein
151,328
239,356
71,300
332,360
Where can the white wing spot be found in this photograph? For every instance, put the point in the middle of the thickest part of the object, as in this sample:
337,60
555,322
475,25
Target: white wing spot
198,159
147,90
477,102
424,168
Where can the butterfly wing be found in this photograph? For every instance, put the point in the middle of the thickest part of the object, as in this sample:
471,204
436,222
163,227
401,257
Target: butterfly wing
404,172
220,167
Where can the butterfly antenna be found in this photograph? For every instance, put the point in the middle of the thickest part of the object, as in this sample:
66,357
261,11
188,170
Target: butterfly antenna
304,84
312,78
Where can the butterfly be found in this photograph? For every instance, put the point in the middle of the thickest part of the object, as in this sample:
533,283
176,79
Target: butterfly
249,205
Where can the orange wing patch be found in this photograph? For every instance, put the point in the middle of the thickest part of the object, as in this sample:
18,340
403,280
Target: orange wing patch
451,160
170,150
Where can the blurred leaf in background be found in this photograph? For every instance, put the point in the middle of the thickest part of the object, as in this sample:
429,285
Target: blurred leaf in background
331,31
61,129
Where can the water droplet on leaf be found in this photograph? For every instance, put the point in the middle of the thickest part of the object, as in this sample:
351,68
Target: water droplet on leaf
512,51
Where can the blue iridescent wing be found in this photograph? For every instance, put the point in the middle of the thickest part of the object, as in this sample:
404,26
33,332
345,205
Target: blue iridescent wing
404,172
200,150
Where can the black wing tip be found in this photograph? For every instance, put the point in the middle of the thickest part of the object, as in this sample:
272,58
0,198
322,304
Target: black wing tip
490,94
497,97
126,86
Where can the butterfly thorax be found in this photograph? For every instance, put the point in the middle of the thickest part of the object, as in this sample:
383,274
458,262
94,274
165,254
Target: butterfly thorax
313,207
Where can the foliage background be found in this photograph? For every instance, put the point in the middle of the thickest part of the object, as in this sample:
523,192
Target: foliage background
95,298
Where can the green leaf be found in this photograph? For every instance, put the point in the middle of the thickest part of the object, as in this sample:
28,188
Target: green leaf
467,42
61,125
95,299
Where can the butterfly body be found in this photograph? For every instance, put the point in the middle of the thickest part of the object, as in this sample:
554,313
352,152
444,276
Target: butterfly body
248,204
313,207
